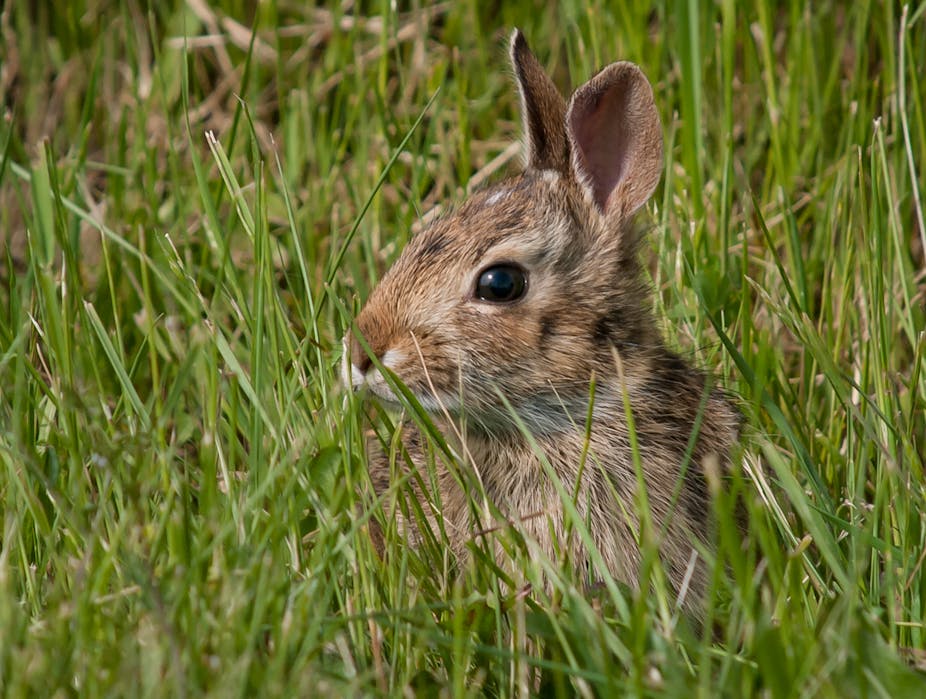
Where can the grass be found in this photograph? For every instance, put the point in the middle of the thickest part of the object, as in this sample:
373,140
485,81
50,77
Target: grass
192,212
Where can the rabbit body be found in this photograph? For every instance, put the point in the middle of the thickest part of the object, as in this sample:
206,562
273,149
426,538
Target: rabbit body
558,243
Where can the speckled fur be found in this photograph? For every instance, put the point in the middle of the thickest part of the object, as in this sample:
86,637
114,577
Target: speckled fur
568,221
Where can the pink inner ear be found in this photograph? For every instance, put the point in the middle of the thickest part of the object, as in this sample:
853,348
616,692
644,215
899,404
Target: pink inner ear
602,131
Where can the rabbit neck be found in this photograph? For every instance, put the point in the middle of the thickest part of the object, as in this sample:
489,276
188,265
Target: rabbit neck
665,418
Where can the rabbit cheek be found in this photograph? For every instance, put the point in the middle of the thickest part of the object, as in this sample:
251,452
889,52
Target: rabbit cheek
505,346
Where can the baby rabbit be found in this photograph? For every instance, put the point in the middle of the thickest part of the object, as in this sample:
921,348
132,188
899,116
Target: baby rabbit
532,290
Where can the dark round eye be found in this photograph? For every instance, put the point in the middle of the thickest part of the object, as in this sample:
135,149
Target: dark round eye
501,284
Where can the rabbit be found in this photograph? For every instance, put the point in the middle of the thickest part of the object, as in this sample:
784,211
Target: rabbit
499,316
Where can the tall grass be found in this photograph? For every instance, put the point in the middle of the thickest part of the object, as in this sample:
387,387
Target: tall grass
192,212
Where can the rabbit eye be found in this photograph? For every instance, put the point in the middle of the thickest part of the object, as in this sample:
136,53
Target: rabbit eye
501,284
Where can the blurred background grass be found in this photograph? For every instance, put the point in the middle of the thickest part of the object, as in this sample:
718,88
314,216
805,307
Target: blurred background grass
182,494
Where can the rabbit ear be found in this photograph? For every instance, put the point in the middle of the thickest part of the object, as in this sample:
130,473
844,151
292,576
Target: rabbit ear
543,109
616,139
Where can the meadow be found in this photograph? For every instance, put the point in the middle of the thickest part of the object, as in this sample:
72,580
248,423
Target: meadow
195,199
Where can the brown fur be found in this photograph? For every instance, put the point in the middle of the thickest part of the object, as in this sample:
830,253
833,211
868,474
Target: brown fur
567,220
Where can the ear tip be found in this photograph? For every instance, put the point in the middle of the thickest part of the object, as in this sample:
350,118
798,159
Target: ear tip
637,73
517,45
627,70
624,76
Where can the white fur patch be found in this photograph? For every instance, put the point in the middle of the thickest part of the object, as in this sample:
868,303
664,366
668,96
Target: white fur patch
496,197
551,176
391,359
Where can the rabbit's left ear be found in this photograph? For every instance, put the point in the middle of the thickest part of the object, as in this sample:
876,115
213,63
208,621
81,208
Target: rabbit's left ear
543,110
616,139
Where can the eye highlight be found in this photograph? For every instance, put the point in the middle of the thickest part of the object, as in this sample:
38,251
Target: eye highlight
501,283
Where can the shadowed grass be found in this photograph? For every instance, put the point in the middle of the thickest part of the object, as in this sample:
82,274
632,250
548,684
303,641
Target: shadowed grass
191,214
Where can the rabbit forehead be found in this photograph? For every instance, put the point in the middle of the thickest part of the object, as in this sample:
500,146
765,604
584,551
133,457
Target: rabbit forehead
524,214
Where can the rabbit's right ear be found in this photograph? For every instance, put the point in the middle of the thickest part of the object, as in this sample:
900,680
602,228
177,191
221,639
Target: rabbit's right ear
615,138
543,110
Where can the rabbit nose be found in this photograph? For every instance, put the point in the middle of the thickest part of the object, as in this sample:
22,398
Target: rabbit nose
358,355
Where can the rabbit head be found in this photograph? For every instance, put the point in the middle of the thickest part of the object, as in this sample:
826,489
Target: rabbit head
527,288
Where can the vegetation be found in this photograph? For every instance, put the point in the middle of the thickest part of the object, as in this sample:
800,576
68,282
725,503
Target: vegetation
191,213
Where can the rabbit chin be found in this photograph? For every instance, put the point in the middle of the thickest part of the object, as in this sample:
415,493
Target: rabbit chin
437,405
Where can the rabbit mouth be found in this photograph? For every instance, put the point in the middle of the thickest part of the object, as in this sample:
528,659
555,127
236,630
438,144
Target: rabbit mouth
373,381
435,404
382,391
